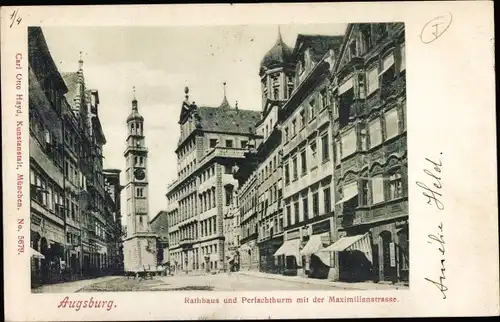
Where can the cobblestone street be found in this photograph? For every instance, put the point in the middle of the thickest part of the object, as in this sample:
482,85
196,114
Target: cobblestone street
240,281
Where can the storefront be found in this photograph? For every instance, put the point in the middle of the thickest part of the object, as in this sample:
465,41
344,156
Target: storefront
314,265
355,257
267,248
289,253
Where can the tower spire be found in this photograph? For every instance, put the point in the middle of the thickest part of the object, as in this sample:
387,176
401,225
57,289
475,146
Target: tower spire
280,38
134,100
225,103
80,62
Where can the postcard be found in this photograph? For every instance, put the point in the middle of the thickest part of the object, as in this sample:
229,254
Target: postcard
249,161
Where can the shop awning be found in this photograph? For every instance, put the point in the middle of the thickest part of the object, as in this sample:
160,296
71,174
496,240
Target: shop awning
314,244
289,248
350,192
359,242
36,254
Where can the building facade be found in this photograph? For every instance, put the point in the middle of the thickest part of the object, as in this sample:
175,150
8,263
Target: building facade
139,245
308,160
369,114
47,178
212,141
113,189
67,188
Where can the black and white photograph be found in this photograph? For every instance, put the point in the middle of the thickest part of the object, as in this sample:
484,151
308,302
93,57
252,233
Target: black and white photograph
249,161
234,158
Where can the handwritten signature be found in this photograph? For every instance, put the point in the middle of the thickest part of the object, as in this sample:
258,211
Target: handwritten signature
439,239
435,28
15,18
433,194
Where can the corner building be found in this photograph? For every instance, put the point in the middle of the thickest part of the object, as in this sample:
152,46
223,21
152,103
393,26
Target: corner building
277,72
212,141
371,176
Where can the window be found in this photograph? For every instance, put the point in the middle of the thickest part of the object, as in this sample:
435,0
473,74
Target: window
315,204
305,207
303,120
364,137
296,211
213,143
276,93
378,189
373,82
44,191
395,185
391,123
325,147
388,72
348,143
294,127
294,168
229,143
139,192
303,162
346,99
327,200
324,98
364,192
286,134
50,199
375,132
228,169
313,152
244,144
312,108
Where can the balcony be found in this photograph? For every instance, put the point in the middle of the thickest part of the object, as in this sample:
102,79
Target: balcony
223,152
394,89
388,210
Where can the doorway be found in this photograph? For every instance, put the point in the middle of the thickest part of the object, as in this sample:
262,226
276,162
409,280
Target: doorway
386,239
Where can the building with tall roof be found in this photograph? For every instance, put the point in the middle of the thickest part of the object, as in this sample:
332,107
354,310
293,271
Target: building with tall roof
212,141
47,177
73,218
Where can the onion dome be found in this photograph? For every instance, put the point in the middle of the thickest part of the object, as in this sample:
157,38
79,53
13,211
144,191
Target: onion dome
135,115
279,55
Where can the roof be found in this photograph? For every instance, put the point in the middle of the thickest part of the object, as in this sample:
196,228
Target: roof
40,58
157,216
319,45
229,120
71,81
135,115
279,55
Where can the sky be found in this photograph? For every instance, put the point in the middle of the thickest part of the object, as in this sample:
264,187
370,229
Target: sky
159,62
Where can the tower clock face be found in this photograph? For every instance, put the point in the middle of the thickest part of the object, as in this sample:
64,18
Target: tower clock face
139,174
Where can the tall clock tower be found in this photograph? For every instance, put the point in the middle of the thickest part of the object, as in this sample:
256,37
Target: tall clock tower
139,245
